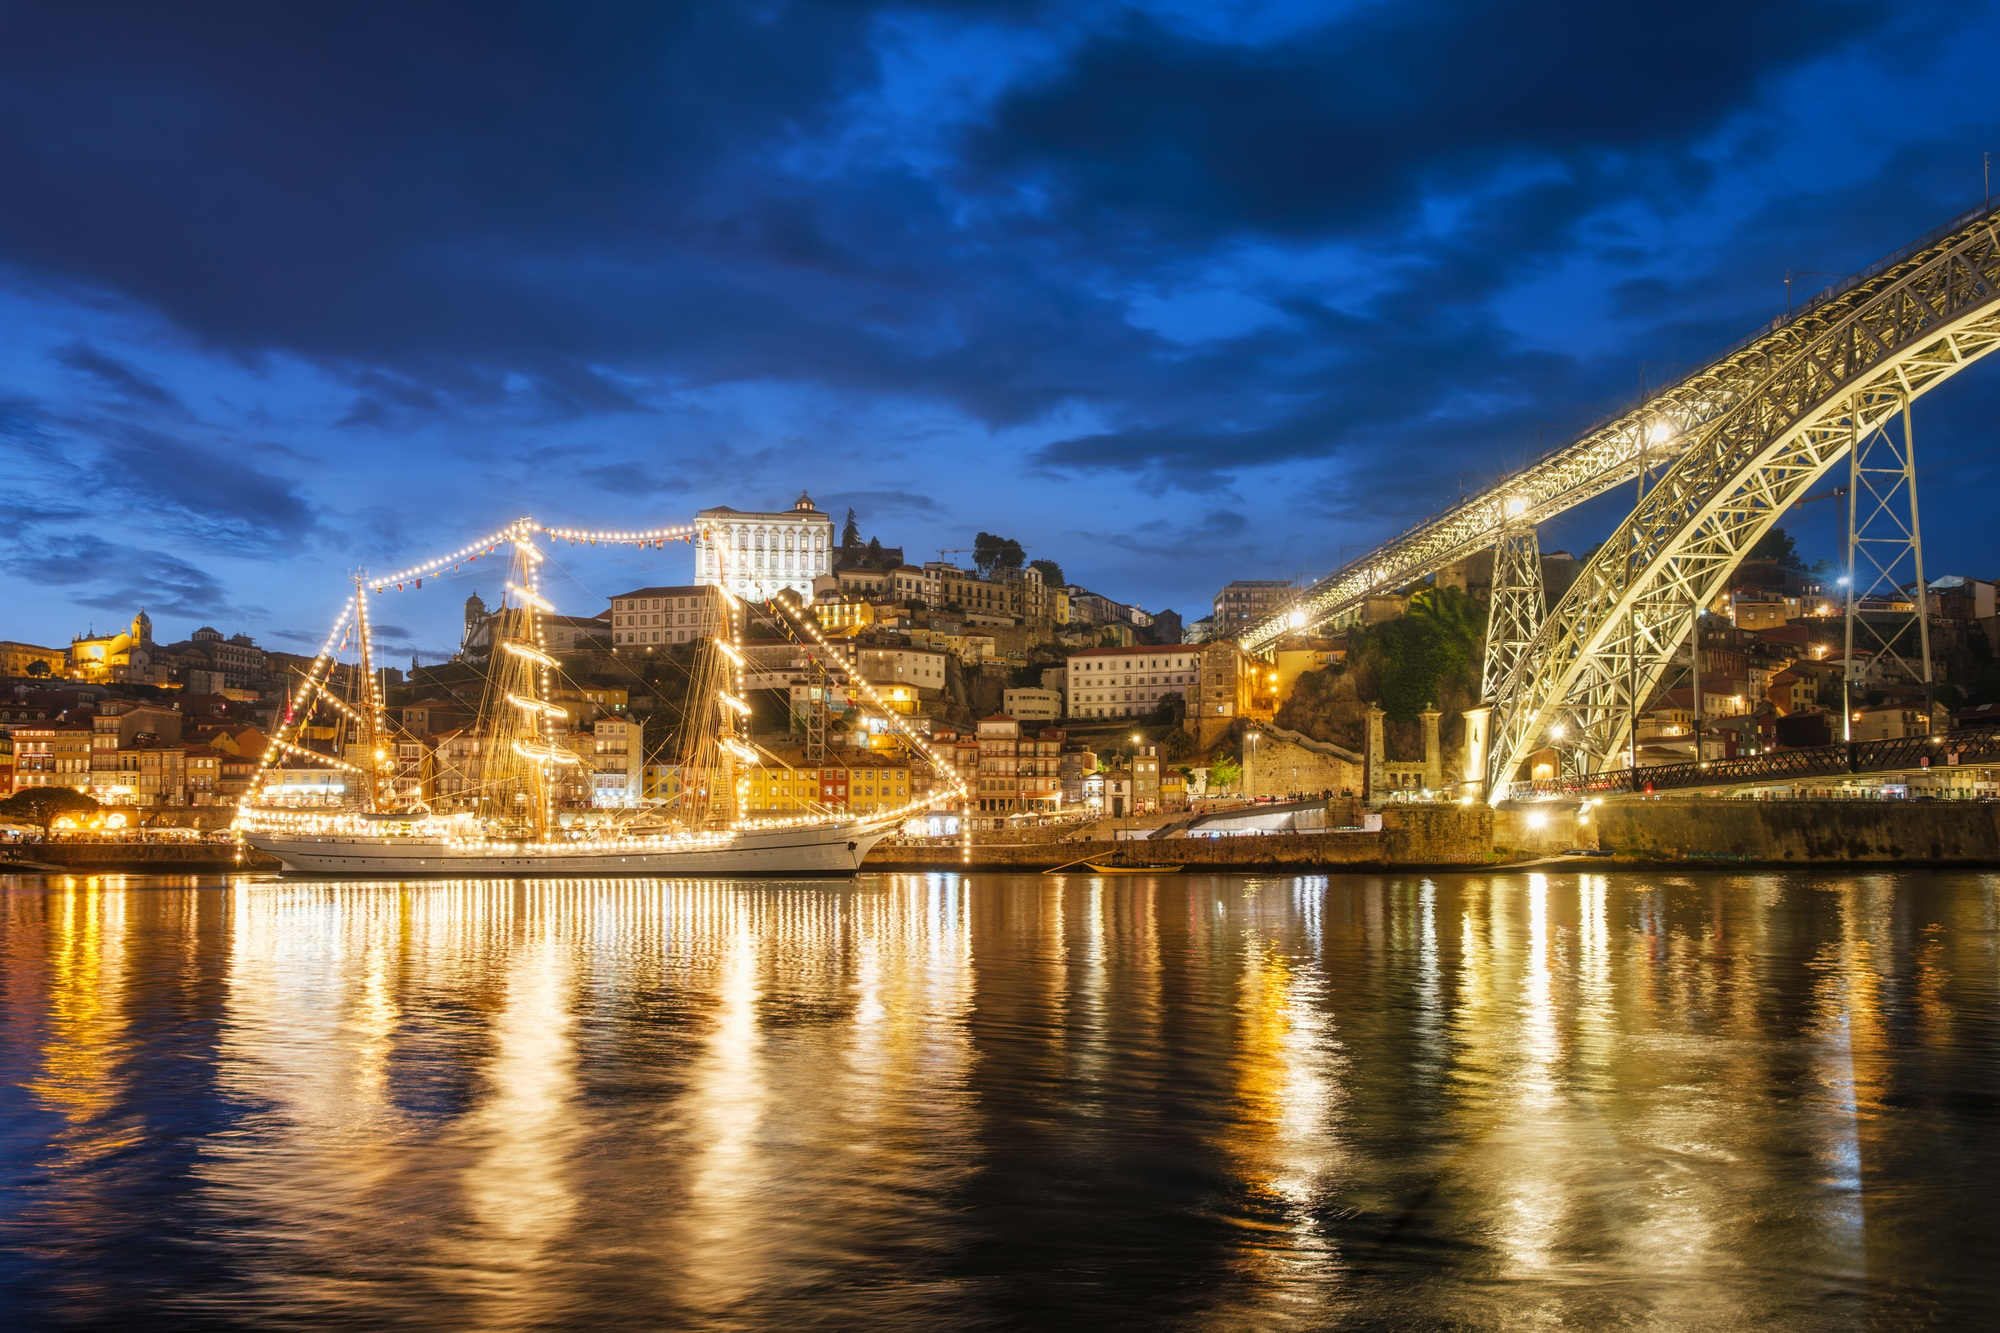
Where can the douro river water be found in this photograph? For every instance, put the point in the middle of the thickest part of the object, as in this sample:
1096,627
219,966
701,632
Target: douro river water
1486,1101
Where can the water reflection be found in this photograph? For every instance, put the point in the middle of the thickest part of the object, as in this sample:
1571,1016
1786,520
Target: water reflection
1474,1101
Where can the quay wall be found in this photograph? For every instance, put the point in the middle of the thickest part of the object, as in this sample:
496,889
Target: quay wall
139,857
1803,832
1412,836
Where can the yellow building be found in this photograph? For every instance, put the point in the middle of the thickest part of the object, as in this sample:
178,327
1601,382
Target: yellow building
844,615
53,754
1296,659
853,781
109,657
16,659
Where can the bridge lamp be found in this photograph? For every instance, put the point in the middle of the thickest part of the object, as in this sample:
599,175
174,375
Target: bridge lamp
1660,433
1516,507
1558,731
1296,620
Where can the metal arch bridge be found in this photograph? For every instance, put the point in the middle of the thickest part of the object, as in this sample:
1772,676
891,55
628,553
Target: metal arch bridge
1741,439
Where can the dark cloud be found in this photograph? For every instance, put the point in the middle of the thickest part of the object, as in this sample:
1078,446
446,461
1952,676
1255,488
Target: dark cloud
1358,121
116,375
392,181
877,505
1220,534
220,495
633,256
114,577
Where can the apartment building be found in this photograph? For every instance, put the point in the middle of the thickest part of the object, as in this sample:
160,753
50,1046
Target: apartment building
52,754
615,761
850,780
1247,601
649,617
1130,682
1018,772
1032,706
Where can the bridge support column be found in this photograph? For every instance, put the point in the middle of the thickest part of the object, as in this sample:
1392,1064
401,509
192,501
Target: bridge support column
1515,615
1433,751
1472,773
1375,779
1885,553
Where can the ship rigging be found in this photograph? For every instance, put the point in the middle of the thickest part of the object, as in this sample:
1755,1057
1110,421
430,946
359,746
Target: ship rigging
502,812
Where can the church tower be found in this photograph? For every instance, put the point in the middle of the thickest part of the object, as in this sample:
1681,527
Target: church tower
475,618
142,629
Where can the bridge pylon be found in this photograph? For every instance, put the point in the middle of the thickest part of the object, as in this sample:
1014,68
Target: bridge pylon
1885,547
1518,606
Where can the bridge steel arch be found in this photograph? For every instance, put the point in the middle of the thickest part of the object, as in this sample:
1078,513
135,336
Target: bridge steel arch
1751,441
1659,431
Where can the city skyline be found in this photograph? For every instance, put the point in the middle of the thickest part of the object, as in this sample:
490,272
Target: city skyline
960,272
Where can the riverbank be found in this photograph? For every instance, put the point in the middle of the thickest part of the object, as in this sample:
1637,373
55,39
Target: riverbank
1660,835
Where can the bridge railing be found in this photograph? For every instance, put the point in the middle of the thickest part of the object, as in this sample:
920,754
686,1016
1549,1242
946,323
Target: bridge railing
1949,749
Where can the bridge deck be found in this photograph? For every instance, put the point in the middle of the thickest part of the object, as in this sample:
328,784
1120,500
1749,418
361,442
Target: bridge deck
1904,755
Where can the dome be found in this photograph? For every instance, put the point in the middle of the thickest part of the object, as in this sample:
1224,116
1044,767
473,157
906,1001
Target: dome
804,504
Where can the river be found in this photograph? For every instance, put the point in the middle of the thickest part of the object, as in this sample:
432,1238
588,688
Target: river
1455,1101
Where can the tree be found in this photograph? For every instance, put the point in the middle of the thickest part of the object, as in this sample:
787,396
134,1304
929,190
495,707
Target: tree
1223,772
43,806
1051,573
994,554
872,557
1411,659
850,531
38,668
1778,547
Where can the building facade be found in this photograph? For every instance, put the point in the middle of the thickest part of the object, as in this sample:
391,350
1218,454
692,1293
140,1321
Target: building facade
758,555
1130,682
851,781
656,617
1247,601
20,659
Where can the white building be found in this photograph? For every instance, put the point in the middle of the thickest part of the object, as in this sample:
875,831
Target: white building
1130,682
1033,706
652,616
920,667
615,762
757,555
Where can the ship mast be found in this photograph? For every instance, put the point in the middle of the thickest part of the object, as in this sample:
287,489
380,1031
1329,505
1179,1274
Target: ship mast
519,732
371,703
716,751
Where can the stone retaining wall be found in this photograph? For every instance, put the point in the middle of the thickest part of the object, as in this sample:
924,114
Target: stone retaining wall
1803,832
140,857
1410,836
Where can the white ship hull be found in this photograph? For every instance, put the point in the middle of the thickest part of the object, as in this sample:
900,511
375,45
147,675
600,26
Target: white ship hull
824,849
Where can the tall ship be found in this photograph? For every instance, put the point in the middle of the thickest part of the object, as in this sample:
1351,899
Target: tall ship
509,807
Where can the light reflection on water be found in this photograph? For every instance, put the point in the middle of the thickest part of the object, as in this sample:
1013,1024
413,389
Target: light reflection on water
1001,1101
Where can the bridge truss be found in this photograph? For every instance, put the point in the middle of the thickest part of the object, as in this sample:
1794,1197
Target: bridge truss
1741,439
1600,653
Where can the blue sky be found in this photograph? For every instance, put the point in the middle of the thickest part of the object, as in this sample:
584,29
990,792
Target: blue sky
1173,294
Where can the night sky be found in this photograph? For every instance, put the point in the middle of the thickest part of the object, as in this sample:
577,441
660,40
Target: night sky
1173,294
